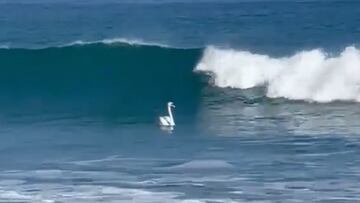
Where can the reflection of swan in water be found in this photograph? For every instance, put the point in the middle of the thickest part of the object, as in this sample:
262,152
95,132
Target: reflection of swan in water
167,122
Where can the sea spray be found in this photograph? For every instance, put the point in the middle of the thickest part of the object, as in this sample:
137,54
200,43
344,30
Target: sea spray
308,75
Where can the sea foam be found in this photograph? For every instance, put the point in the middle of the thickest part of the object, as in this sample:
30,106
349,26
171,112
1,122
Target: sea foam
308,75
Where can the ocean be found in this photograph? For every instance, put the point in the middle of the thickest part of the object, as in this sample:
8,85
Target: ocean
267,99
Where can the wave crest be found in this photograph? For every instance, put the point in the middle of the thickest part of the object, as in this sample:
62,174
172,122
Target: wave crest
108,41
308,75
132,42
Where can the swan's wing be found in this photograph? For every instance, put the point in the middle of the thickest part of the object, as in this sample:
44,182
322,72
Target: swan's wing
167,118
164,120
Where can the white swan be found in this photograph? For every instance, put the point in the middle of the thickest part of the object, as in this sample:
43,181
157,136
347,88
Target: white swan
168,121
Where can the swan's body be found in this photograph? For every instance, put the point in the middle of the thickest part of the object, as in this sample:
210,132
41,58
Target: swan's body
168,121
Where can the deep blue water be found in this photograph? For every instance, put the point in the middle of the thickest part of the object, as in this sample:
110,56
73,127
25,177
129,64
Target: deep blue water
267,101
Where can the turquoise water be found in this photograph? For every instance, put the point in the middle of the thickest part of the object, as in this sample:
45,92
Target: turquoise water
267,101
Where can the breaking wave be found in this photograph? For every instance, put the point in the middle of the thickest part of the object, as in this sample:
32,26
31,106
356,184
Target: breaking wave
313,75
134,68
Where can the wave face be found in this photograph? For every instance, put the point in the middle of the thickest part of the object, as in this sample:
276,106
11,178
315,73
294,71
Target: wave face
133,81
112,78
308,75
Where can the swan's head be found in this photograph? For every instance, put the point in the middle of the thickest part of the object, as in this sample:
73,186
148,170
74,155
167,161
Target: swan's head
171,104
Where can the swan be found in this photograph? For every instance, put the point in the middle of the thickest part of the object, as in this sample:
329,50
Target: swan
168,121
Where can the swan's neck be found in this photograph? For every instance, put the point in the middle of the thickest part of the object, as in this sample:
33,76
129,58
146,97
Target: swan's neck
171,115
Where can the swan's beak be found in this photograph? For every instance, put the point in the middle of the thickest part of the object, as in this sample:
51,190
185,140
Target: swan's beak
173,106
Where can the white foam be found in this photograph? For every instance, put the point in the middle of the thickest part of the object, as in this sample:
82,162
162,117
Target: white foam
308,75
47,193
97,161
203,165
132,42
16,186
13,195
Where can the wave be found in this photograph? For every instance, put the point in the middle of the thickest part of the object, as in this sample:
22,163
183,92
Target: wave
98,78
312,75
107,41
111,41
202,165
127,71
4,47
